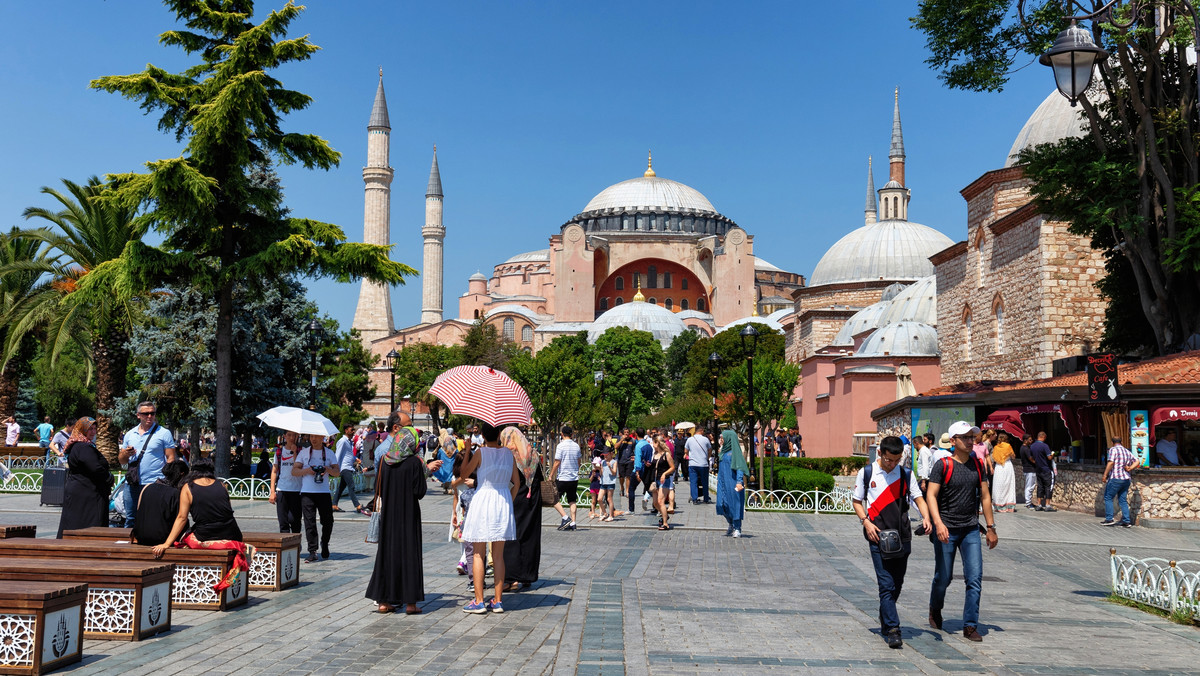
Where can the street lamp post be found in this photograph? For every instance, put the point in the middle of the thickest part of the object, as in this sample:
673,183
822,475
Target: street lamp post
749,336
714,365
314,329
392,358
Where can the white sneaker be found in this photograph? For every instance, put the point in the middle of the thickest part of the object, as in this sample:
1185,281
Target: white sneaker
645,502
737,533
8,479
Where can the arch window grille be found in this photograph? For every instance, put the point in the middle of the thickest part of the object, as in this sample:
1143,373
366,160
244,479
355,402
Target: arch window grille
619,285
510,329
619,300
653,301
652,277
966,340
526,334
603,304
683,284
670,304
700,305
683,304
999,310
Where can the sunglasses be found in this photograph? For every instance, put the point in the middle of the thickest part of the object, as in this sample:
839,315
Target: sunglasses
147,413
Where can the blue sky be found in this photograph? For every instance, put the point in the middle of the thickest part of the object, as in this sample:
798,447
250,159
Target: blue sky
769,108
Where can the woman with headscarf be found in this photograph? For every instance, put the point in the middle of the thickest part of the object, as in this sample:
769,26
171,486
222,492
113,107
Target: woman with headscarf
731,483
1004,481
523,556
89,481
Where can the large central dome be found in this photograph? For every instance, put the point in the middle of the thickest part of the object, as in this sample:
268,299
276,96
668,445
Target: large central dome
652,193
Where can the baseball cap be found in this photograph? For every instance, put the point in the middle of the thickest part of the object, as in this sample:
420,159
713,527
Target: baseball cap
944,443
962,427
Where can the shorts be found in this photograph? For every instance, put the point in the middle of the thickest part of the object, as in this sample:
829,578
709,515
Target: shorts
593,491
1044,484
608,487
625,469
569,489
668,483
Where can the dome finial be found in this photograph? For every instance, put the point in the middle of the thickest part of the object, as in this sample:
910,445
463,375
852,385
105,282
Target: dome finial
638,297
649,165
754,312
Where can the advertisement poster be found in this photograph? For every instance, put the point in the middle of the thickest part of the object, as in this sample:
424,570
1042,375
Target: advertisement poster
1102,377
1139,435
937,420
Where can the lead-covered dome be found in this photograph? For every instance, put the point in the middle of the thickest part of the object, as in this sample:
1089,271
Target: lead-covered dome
1052,121
885,250
916,303
650,204
640,316
650,192
902,339
864,320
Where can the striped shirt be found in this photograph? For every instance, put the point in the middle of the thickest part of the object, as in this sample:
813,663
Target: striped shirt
1121,458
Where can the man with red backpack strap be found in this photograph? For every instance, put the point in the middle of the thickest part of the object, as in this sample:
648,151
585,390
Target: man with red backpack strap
956,491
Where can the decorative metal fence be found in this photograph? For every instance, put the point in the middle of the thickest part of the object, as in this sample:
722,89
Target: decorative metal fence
836,502
239,488
1173,586
15,462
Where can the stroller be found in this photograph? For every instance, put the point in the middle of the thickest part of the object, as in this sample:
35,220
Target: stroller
121,505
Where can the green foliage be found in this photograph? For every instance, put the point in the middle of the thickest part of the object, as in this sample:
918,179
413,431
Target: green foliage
632,362
417,367
559,382
728,346
845,466
774,382
344,381
61,388
676,360
788,421
694,408
483,346
800,479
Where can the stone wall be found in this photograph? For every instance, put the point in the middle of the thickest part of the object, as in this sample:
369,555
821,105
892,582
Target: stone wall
1154,494
894,425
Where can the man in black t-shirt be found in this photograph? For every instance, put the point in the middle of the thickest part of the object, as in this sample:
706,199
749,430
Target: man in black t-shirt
1041,454
1029,469
957,489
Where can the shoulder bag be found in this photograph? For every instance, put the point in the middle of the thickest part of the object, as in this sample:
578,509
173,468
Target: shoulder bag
375,523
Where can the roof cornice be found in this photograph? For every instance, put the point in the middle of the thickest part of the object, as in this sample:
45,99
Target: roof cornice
990,179
949,253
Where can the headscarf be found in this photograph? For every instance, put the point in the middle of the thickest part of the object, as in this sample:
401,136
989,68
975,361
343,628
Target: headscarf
729,441
525,456
400,446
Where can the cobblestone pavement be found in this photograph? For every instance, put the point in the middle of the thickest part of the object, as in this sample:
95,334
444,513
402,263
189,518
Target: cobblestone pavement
796,595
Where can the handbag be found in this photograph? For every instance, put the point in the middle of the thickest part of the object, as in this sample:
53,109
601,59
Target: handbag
133,474
549,494
374,524
890,545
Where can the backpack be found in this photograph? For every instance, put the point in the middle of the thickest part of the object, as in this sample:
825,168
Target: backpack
905,477
948,470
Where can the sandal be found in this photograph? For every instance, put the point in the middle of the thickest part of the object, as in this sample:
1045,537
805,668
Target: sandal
608,519
514,587
664,527
338,509
364,511
385,609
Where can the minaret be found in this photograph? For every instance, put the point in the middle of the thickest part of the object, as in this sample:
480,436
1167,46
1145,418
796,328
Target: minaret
894,195
373,317
435,234
871,210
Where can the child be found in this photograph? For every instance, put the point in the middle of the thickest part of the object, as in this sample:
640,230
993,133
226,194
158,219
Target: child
464,490
608,484
594,489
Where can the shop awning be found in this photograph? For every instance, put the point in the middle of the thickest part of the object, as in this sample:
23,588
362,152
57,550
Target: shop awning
1064,411
1005,420
1165,415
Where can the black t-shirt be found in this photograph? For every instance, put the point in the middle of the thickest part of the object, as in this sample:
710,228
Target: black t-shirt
958,499
625,453
1041,457
1027,465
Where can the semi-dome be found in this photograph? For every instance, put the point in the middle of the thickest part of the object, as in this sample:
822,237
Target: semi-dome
765,321
893,290
917,303
902,339
640,316
891,249
530,256
1052,121
650,192
864,320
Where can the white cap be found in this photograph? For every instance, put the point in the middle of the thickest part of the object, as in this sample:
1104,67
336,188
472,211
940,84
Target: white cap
962,427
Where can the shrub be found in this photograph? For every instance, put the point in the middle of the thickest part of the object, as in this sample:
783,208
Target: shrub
835,466
800,479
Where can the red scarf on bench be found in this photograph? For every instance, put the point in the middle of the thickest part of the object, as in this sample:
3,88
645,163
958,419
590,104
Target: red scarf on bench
241,561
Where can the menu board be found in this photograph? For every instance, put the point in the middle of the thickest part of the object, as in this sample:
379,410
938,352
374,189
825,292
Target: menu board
1139,435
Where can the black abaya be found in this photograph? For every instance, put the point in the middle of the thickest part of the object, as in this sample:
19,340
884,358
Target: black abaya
85,496
399,578
523,556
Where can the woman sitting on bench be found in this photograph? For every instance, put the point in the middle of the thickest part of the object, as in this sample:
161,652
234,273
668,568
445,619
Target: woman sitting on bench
213,525
158,505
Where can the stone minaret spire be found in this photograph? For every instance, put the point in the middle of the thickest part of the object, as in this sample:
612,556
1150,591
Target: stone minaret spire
871,210
894,196
373,317
435,234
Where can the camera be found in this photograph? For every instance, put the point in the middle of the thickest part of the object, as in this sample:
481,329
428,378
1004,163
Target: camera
318,473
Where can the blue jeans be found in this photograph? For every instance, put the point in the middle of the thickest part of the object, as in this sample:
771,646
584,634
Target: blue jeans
889,575
346,484
698,482
1118,488
965,540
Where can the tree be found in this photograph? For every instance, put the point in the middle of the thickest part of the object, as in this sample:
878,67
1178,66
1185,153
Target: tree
345,380
1143,133
62,388
221,223
676,360
417,367
632,362
90,238
728,345
21,261
774,382
483,346
553,380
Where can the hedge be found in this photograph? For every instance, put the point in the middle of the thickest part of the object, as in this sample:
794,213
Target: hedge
800,479
835,466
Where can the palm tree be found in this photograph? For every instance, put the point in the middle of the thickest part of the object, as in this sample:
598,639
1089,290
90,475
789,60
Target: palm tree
85,295
15,287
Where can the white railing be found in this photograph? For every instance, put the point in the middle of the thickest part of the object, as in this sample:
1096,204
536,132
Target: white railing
1173,586
836,502
239,488
15,462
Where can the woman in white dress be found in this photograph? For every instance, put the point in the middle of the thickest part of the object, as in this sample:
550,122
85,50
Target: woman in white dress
1004,483
490,518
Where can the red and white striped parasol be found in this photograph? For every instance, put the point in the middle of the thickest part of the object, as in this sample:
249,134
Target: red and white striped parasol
485,393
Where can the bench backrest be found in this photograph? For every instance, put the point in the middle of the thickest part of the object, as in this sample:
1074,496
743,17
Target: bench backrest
92,549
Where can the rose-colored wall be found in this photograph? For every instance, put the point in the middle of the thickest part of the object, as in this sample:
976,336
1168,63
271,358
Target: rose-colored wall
694,292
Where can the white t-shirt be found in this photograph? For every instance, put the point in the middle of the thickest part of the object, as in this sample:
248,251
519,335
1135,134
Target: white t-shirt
698,448
879,483
1168,451
309,458
284,460
569,456
14,432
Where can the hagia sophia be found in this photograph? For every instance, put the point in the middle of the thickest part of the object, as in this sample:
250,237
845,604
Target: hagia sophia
654,254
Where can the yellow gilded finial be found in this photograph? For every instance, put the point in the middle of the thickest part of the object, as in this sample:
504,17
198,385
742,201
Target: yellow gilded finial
754,313
649,165
381,71
638,297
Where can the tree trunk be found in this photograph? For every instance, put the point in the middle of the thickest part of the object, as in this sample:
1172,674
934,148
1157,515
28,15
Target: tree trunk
223,425
111,355
194,442
9,380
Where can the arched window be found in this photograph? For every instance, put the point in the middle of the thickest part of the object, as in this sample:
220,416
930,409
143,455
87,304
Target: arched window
619,300
670,304
526,350
477,314
635,280
620,284
603,304
700,305
683,304
653,301
896,207
510,329
652,277
998,310
683,283
526,333
979,257
966,339
666,280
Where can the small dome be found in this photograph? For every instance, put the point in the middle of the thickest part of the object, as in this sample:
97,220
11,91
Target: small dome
766,321
778,315
864,320
1052,121
892,291
760,264
891,249
650,193
477,277
513,308
902,339
660,322
917,303
530,256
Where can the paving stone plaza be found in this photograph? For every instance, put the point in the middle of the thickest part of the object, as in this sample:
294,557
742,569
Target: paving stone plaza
796,595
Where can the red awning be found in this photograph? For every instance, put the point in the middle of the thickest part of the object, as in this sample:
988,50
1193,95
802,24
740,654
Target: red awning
1165,415
1007,420
1064,411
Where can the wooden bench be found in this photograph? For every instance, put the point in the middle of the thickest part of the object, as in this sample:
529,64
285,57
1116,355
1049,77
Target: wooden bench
276,564
17,531
197,571
41,626
126,600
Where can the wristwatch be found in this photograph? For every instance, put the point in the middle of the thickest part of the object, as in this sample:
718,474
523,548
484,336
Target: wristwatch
991,526
863,520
